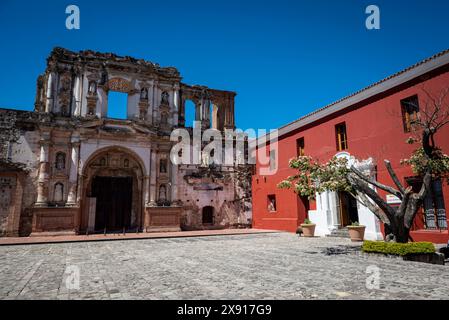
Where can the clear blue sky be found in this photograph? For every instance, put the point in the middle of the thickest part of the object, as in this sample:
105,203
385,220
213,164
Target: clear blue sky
283,58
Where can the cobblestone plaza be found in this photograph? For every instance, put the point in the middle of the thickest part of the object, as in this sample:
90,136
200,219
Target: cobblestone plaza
258,266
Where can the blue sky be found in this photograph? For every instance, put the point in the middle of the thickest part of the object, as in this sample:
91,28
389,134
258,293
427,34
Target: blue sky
283,58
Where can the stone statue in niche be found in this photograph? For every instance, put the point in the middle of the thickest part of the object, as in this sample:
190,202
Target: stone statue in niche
164,118
164,97
162,193
144,94
126,163
163,166
58,193
92,90
60,161
272,205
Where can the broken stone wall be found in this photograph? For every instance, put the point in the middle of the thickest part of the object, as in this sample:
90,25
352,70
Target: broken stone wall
217,188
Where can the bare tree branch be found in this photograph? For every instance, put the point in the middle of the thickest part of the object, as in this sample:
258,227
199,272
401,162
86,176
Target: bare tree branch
394,177
375,183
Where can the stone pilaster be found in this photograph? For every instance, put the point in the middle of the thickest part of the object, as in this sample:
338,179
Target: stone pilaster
174,184
153,175
74,165
77,94
44,168
50,92
146,189
176,104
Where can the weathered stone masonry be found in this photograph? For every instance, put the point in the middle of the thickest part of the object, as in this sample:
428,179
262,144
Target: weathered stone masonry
68,168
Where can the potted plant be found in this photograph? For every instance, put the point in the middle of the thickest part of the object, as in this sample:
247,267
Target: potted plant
308,228
356,232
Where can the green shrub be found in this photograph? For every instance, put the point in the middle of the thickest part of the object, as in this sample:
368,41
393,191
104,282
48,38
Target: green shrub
307,221
398,249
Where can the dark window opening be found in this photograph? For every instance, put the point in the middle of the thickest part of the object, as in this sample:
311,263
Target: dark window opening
208,215
410,112
300,147
341,137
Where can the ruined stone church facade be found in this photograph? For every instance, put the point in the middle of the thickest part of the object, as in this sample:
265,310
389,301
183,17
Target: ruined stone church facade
67,167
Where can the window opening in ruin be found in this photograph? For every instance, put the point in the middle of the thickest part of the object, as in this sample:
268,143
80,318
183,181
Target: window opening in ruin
117,105
189,113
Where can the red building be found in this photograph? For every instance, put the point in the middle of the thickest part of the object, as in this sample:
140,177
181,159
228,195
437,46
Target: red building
372,123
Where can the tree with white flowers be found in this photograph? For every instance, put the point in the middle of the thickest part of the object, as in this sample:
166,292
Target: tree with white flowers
428,161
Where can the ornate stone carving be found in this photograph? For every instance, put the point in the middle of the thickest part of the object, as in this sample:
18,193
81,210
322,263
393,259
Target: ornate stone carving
119,84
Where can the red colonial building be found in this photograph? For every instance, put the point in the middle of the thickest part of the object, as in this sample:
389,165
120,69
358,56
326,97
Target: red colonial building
368,126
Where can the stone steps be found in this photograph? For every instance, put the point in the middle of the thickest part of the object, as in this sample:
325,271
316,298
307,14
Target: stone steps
339,233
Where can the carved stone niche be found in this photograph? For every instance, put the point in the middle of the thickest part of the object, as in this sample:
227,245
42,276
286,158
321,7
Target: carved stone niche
91,105
119,84
143,109
64,94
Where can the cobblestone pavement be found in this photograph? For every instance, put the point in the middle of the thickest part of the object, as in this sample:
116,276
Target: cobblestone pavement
260,266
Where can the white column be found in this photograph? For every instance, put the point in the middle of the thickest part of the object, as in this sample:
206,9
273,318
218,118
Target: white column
175,105
77,93
334,209
50,85
73,178
42,190
153,178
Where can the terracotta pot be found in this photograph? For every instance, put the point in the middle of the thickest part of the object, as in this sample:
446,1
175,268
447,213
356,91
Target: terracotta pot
357,233
308,230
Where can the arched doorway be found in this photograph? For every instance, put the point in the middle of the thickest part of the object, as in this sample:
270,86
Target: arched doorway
208,215
112,191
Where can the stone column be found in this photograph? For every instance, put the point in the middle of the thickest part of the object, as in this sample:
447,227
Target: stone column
44,166
229,114
182,113
50,94
174,184
156,102
176,104
205,113
77,94
146,189
153,174
73,178
334,208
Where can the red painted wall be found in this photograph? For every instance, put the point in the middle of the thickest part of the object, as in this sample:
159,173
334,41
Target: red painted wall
374,129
